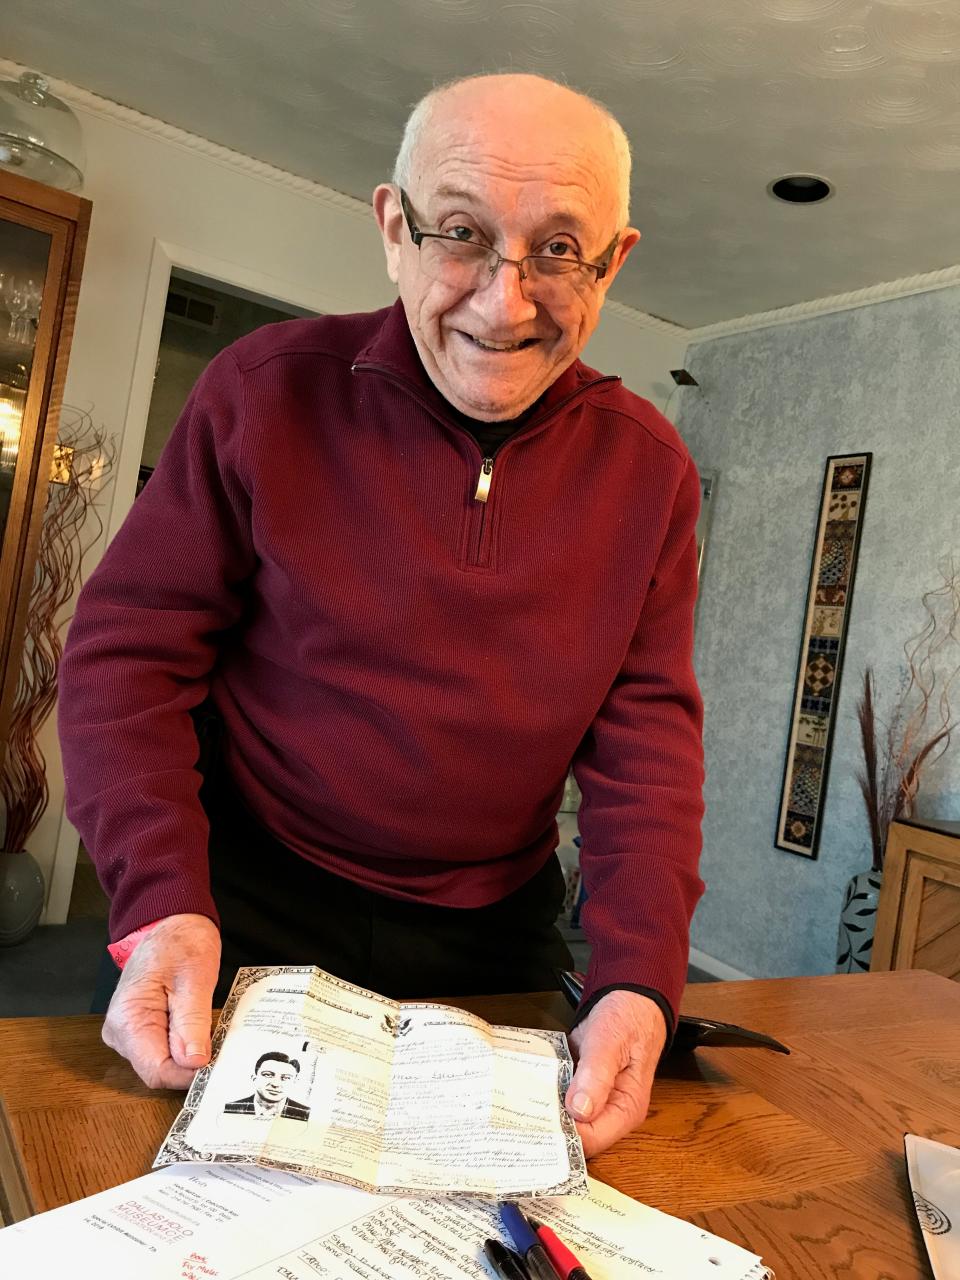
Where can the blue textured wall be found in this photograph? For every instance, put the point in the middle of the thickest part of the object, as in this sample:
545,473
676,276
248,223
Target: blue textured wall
772,406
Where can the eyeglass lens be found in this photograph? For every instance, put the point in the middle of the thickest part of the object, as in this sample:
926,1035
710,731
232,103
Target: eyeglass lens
470,265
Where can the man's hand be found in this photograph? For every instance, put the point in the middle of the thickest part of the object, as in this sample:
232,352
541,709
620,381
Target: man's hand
159,1017
617,1047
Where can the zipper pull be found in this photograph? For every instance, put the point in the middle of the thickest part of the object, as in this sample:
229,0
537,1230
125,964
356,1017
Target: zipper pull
483,481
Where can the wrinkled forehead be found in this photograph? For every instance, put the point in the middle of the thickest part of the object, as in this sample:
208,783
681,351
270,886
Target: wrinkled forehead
505,159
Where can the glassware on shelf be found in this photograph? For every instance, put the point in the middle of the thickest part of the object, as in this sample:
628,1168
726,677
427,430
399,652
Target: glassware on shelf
17,306
20,299
6,302
13,398
34,298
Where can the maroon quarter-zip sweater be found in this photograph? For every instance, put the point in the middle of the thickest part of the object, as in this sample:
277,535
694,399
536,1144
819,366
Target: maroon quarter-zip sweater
405,671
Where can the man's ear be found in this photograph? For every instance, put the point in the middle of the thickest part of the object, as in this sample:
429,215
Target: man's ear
627,241
390,220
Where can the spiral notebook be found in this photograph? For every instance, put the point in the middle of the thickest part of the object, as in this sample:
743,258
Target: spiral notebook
934,1171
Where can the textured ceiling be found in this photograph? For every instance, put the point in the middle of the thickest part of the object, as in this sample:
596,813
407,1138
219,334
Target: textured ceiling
719,97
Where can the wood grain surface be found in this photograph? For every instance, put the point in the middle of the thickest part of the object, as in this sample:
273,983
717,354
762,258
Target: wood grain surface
799,1157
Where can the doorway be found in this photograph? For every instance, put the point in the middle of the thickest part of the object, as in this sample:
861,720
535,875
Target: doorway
201,317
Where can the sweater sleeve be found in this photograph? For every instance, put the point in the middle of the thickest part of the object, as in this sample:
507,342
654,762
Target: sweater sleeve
138,659
640,769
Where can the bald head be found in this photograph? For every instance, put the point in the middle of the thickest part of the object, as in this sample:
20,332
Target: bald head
522,106
503,229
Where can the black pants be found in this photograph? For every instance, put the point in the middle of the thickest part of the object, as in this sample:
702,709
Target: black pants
278,908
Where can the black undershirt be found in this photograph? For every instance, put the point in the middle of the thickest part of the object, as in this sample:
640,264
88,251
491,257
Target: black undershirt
491,435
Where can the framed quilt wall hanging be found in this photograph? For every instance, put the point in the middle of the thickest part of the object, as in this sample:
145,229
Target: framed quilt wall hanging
817,688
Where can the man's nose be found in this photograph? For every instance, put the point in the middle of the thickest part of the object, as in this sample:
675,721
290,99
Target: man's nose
505,299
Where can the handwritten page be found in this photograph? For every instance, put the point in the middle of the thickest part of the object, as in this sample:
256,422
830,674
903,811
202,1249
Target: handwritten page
318,1077
224,1222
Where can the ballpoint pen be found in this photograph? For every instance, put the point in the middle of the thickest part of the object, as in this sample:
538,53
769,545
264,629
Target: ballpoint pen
567,1265
526,1242
504,1262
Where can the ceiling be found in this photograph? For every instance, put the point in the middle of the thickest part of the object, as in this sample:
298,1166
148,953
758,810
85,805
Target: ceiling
718,97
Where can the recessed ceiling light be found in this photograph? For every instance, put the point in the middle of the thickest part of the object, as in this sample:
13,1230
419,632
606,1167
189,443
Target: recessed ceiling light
800,188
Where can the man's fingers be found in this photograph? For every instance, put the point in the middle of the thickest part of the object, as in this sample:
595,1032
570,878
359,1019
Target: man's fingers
607,1129
592,1081
618,1044
190,1001
190,1014
140,1036
165,1074
625,1109
159,1018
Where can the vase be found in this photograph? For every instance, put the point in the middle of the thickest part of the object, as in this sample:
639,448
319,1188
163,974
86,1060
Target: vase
21,896
858,919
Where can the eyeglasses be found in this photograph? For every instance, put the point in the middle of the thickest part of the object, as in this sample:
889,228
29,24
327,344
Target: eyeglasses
471,265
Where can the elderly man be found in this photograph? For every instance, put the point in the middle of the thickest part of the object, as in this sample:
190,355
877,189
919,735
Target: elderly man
420,562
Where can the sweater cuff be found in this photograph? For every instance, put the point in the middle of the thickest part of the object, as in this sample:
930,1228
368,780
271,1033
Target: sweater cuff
657,997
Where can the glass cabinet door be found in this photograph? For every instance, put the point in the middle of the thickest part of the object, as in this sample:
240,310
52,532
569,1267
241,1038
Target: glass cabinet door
43,235
24,263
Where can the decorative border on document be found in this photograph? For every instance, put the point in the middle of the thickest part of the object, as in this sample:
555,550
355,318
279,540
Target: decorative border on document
817,689
176,1149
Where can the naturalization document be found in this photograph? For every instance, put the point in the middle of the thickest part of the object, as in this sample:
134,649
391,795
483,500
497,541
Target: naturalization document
316,1076
228,1222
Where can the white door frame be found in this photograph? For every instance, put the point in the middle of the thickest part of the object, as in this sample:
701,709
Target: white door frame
164,259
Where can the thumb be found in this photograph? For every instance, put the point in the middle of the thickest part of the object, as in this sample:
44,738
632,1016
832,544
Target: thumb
593,1079
191,1009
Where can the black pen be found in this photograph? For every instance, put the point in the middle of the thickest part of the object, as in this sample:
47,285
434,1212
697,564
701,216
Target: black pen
504,1262
526,1242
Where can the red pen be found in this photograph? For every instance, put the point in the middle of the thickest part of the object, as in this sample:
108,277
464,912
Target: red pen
566,1264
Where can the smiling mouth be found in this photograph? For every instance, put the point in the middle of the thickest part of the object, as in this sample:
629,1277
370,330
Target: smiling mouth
487,345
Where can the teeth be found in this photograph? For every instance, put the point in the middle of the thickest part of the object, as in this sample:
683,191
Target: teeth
498,346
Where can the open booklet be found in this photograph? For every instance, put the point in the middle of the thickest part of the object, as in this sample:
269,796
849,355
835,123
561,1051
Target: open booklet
319,1077
222,1222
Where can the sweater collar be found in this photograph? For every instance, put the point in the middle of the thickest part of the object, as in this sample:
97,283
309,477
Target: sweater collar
392,351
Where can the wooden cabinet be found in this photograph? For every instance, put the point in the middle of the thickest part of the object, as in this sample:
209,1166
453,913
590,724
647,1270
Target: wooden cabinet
43,234
918,917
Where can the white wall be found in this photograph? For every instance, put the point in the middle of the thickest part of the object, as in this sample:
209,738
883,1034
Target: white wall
162,197
641,349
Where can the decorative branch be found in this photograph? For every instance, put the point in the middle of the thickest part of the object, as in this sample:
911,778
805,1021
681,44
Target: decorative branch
83,459
921,724
867,777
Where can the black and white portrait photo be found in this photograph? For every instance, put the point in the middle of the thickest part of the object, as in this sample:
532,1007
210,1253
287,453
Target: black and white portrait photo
274,1075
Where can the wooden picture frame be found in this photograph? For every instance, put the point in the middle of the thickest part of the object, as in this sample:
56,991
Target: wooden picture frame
817,688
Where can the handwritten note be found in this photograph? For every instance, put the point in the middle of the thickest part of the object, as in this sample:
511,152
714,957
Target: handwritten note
259,1224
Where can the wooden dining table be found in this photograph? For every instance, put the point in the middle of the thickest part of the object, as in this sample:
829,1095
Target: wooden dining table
797,1157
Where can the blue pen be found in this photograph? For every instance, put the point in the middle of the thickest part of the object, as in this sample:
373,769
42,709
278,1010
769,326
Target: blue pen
526,1242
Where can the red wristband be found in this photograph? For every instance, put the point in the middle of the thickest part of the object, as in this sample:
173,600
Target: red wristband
120,952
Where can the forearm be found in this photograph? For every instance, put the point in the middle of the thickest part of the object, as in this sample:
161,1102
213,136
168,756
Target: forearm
640,769
145,637
148,837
